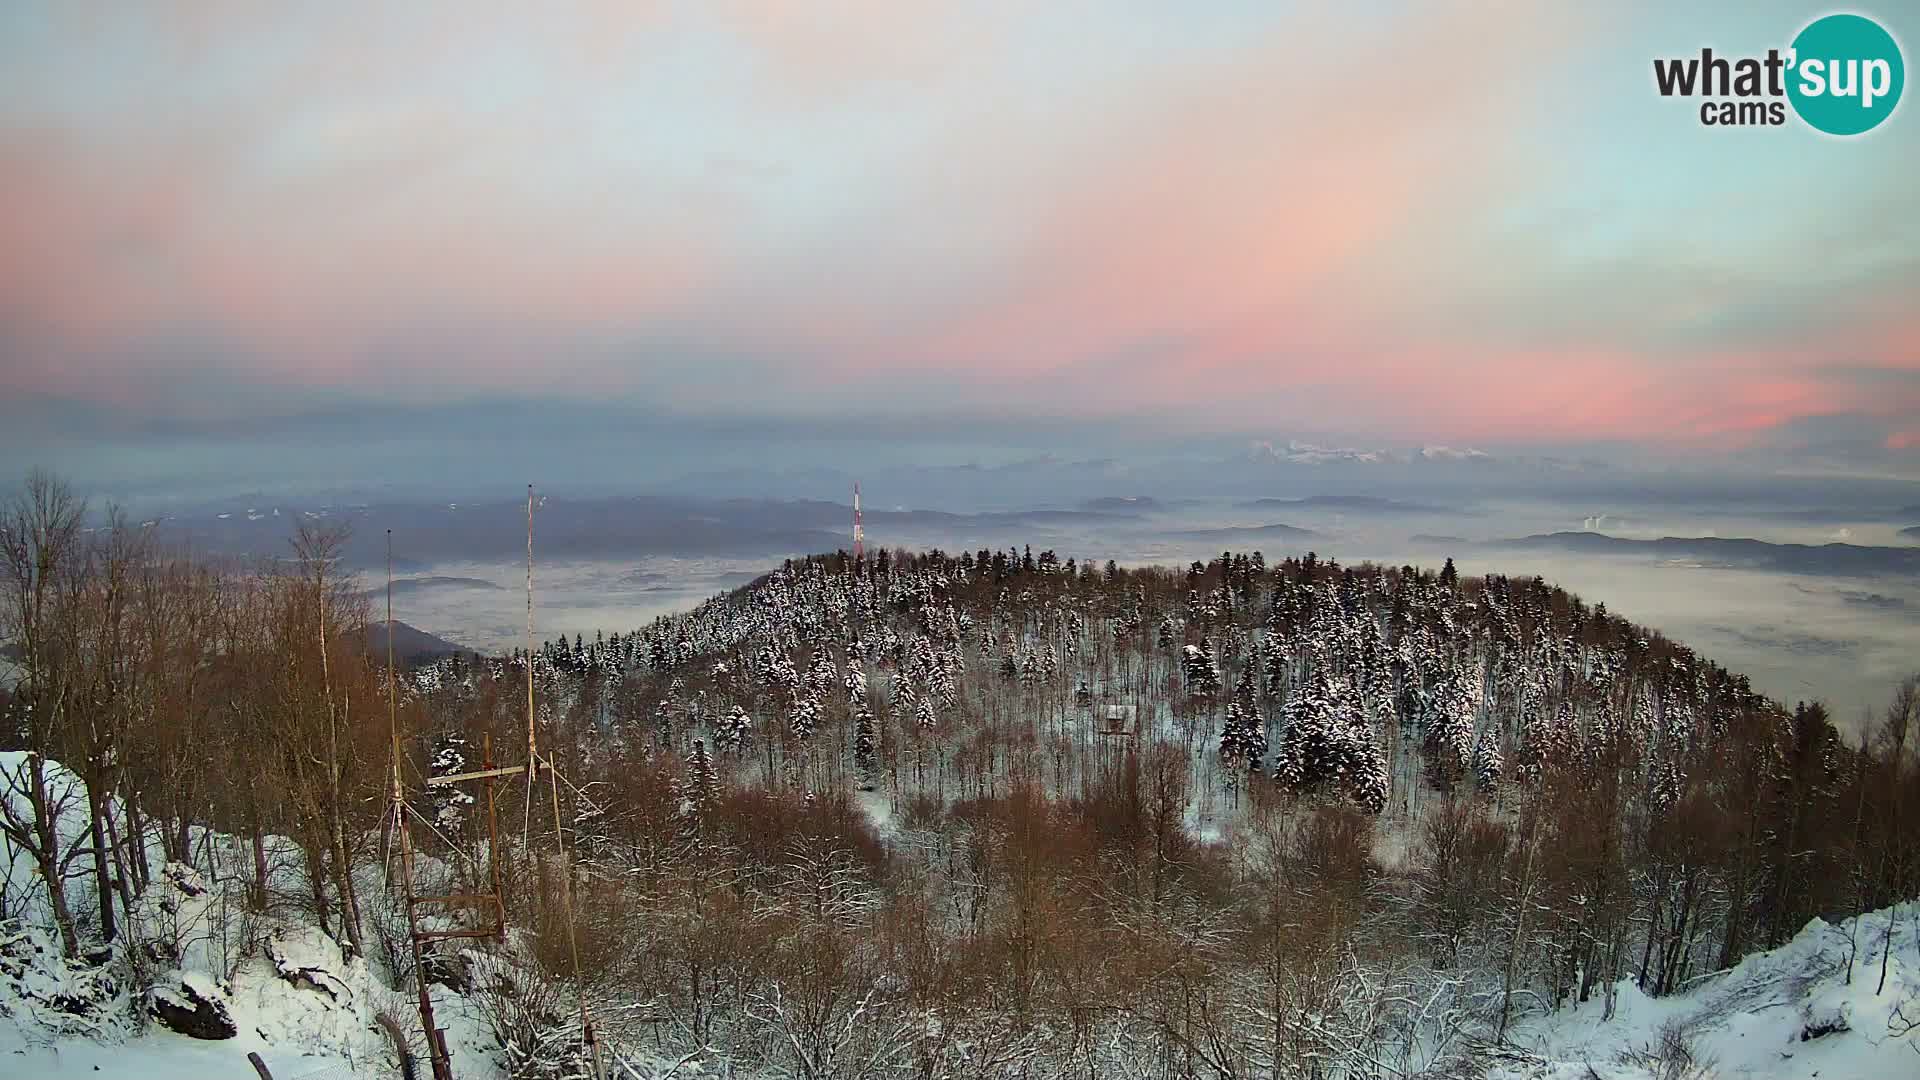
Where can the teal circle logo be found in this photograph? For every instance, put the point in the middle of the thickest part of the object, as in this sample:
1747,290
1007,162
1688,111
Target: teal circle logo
1846,74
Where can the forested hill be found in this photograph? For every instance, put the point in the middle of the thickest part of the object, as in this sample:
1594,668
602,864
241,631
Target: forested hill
1670,789
1320,677
989,815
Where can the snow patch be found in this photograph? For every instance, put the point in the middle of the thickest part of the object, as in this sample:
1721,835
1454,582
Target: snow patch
1813,1007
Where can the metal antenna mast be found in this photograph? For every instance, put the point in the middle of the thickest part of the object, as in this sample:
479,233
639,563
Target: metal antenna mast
859,534
534,765
496,899
437,1054
533,750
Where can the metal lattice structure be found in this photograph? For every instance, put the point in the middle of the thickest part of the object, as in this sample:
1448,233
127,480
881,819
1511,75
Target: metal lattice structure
859,534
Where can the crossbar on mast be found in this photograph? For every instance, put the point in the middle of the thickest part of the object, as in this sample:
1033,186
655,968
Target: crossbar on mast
480,774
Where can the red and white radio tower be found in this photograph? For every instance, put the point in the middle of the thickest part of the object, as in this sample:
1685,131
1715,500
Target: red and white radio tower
859,536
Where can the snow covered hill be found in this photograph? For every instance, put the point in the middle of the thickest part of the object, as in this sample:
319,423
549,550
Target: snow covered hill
1815,1007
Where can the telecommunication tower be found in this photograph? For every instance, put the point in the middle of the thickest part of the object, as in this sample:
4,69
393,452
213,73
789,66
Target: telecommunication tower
859,535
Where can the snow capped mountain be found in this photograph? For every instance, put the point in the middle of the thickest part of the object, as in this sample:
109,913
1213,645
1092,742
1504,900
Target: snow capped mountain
1449,453
1296,452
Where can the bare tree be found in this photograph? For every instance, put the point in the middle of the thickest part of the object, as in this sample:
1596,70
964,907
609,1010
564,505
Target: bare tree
1897,857
45,566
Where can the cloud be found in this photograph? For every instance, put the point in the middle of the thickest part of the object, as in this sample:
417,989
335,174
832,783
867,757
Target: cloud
1250,219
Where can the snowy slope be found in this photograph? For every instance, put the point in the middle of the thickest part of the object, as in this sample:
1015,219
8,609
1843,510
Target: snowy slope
1763,1019
1814,1008
287,990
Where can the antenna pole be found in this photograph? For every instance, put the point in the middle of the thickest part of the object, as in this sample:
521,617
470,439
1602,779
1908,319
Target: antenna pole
559,832
437,1056
533,749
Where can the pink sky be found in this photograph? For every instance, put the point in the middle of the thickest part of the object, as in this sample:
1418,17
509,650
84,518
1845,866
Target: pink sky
1468,223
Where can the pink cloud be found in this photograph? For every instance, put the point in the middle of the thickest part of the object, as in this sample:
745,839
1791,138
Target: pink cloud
1245,235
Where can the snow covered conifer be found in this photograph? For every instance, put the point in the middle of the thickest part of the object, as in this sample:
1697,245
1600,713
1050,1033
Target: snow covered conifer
1368,783
1203,675
946,685
1302,740
802,715
732,731
1243,738
1487,760
1243,691
703,783
863,744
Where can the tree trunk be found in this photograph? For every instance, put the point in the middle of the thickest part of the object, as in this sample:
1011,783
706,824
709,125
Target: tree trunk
317,880
258,892
49,872
46,854
122,876
180,848
103,877
1886,949
1525,900
343,880
136,839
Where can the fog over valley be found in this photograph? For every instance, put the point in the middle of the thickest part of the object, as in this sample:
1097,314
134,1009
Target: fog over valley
1814,593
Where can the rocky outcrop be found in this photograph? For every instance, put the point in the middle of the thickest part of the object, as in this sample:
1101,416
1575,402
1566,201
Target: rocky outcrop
194,1007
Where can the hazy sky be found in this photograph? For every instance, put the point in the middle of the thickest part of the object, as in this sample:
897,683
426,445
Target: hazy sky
1473,223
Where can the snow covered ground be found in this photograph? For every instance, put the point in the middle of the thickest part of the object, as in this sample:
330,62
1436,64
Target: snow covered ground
283,989
1815,1008
307,1012
1788,1013
1799,1011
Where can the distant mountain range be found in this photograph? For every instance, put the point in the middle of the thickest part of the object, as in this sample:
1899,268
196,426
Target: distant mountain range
1823,515
1126,504
630,527
403,586
1247,533
1844,560
1350,504
425,534
438,534
410,644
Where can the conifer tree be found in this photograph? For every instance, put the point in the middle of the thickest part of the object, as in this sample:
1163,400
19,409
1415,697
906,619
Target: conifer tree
731,736
1203,675
703,783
